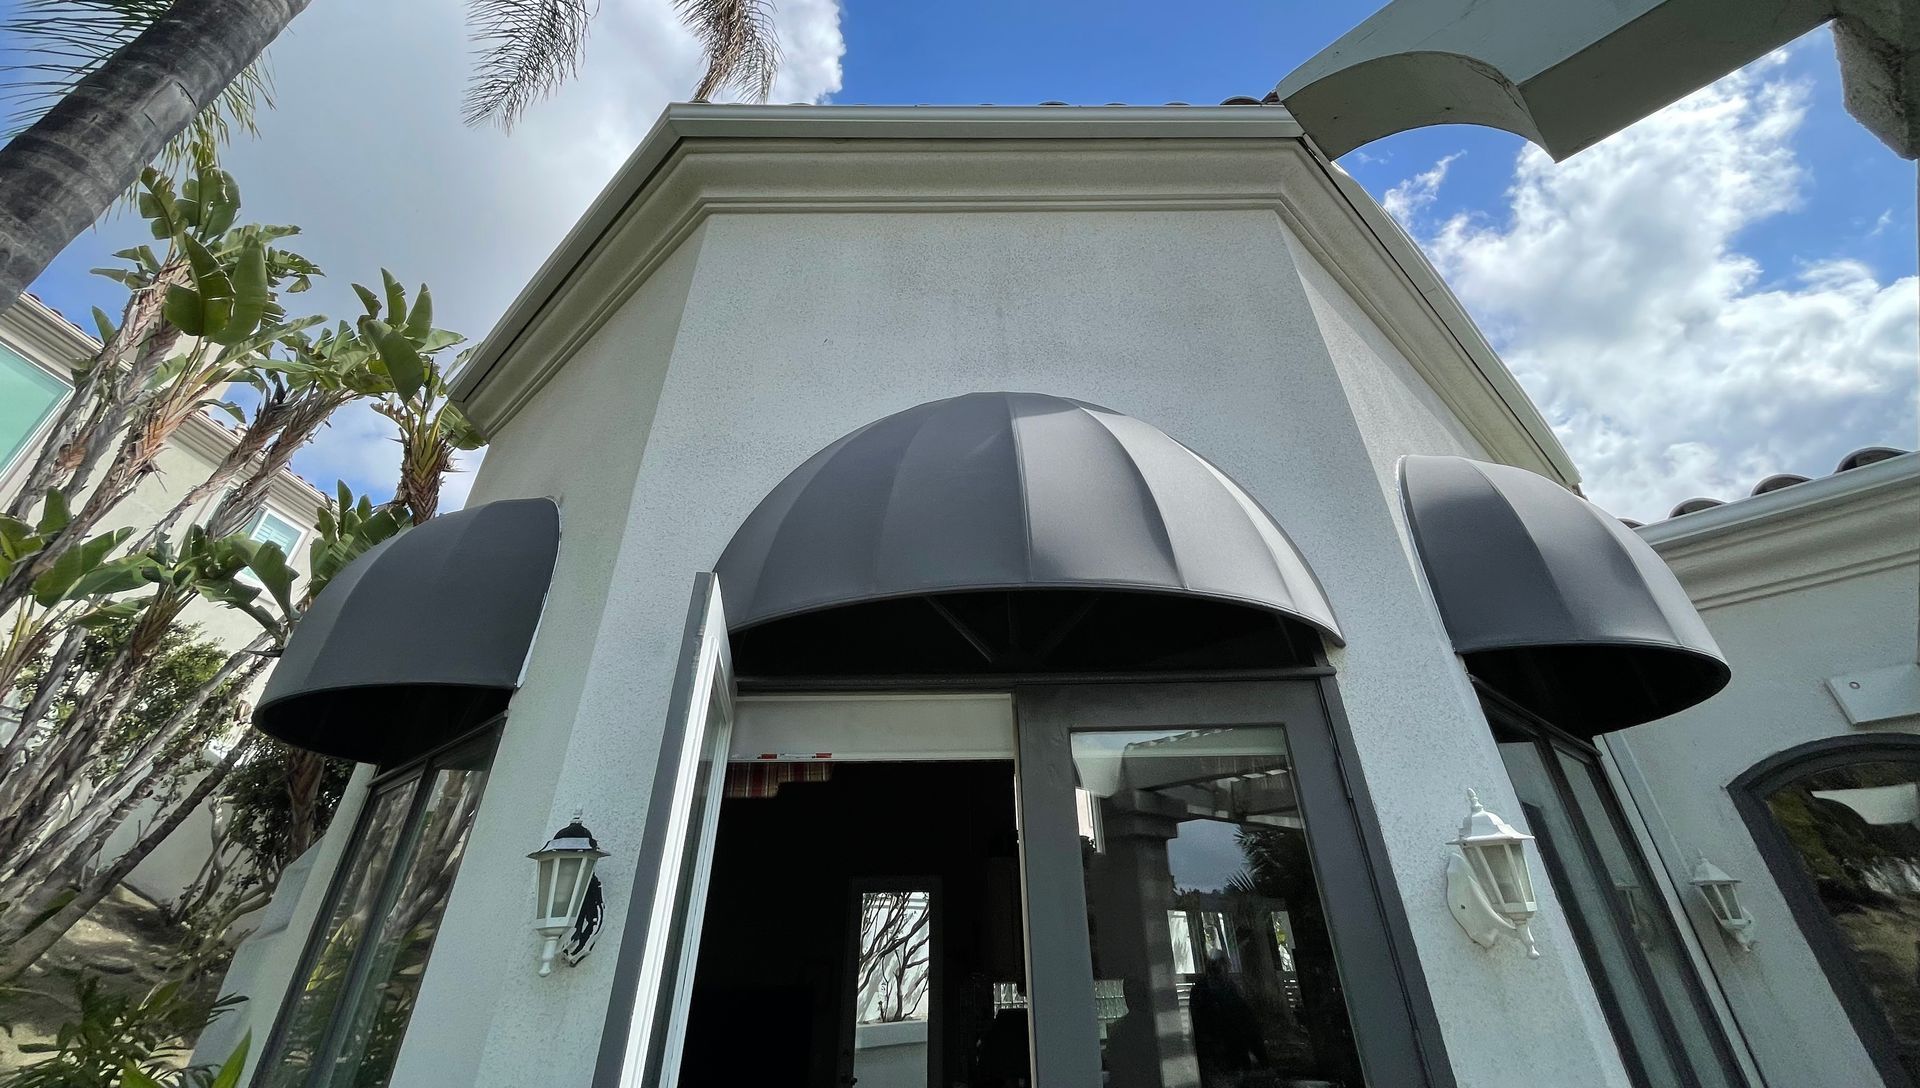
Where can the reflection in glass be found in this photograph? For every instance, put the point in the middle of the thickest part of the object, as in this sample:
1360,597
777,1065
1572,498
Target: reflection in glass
364,872
1857,831
893,967
892,987
348,1021
1590,900
1212,963
1633,952
369,1039
1659,943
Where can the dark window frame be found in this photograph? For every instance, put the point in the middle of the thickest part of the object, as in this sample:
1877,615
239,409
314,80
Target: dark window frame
415,769
1749,791
1389,1003
1511,722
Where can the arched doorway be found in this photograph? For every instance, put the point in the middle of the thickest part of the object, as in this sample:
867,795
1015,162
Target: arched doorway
1009,755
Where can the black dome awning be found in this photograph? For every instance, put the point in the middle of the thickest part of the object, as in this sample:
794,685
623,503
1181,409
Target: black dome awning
1552,602
1010,492
419,637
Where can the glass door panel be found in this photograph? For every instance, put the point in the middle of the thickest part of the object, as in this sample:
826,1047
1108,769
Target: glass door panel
1640,904
1666,1031
356,903
1212,961
1206,910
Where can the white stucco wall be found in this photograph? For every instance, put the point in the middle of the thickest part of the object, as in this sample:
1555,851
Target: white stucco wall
799,327
581,441
1792,600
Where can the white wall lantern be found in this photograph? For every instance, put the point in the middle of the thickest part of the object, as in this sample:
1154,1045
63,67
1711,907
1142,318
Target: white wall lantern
1722,894
563,871
1489,883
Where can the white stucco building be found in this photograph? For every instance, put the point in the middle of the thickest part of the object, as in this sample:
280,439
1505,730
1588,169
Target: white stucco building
1124,544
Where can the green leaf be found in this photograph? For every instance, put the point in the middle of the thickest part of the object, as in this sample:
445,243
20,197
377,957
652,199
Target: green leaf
51,587
214,285
438,339
57,582
158,204
368,299
104,324
269,564
250,295
229,592
404,364
229,1075
420,320
107,615
119,576
184,310
239,414
55,514
396,298
219,202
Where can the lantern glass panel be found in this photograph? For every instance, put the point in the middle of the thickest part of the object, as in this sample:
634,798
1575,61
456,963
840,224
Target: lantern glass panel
566,876
1717,898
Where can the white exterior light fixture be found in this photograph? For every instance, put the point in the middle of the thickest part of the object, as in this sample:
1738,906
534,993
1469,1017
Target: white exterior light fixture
1722,894
1489,883
563,871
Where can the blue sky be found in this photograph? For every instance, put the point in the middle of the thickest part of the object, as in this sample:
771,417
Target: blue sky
1762,270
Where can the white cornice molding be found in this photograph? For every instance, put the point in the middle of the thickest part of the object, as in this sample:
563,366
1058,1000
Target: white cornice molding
704,160
1845,525
44,338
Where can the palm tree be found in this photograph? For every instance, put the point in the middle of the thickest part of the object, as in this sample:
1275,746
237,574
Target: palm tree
143,72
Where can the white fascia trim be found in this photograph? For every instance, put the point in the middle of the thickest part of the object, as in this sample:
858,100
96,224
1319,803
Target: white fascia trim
1742,514
1413,264
51,341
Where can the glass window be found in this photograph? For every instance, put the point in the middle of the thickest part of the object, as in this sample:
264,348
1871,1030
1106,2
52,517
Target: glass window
1855,832
270,528
1212,962
344,1023
28,395
1666,1032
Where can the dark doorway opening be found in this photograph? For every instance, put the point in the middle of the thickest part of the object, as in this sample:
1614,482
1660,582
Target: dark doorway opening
862,919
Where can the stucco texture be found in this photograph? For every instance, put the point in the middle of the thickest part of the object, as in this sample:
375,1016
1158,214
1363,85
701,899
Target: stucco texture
1791,614
767,335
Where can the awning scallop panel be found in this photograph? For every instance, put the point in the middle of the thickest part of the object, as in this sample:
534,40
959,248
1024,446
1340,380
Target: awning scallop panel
418,637
1553,602
1010,492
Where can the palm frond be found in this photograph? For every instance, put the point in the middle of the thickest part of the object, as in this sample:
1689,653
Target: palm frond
743,51
527,49
60,42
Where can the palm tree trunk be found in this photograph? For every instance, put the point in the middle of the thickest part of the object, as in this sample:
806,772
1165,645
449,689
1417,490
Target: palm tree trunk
58,176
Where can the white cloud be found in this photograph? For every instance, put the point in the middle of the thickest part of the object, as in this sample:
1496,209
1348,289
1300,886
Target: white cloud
1408,199
367,153
1671,363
